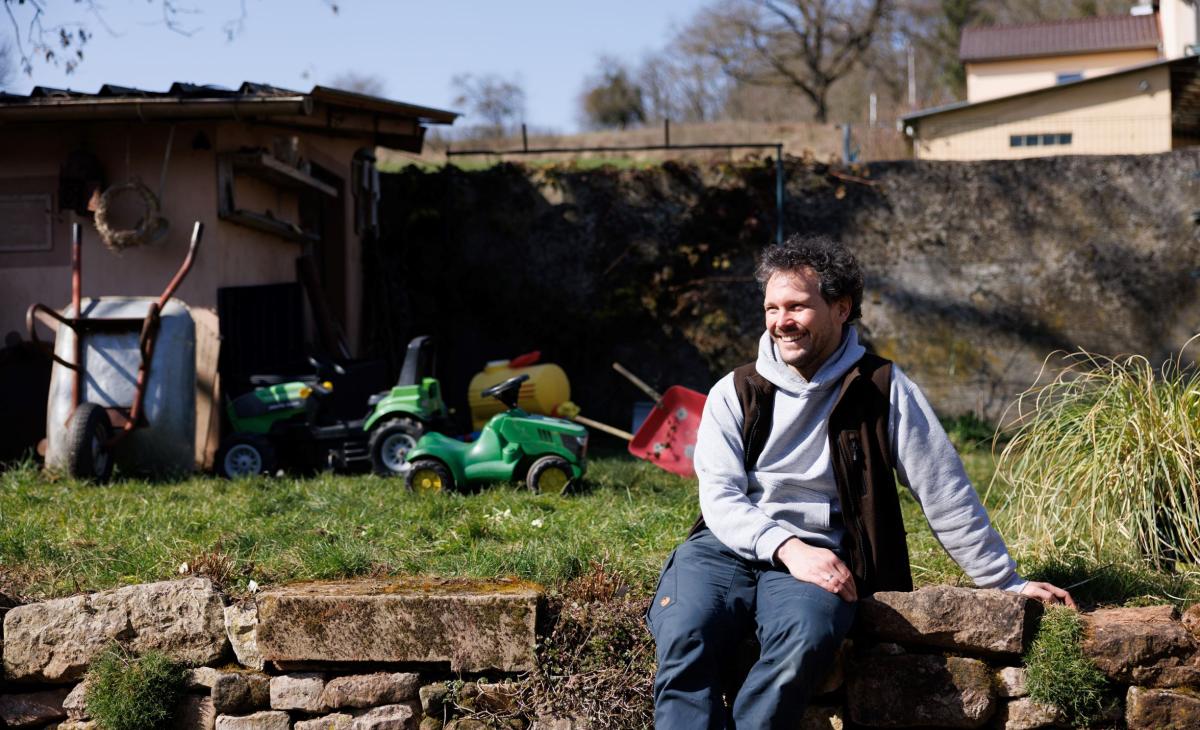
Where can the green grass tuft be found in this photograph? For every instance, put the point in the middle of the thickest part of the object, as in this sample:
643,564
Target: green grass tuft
1060,674
129,692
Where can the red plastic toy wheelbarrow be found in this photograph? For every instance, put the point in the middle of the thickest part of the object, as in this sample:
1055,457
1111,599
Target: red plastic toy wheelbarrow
667,438
93,429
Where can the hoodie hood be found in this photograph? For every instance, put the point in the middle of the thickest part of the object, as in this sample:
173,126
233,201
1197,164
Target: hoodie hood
831,371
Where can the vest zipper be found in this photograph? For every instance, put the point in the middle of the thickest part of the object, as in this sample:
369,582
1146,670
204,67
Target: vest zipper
852,461
753,433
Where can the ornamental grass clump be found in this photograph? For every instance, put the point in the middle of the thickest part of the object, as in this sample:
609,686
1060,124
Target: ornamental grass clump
1105,460
130,692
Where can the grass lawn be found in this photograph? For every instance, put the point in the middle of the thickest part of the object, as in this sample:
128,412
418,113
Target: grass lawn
59,537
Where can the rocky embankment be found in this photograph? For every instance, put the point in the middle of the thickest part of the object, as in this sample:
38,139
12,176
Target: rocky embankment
976,271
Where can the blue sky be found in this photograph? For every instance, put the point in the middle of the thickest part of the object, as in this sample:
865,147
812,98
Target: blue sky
414,47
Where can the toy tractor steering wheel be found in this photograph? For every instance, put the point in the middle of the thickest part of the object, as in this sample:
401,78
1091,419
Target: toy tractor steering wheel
508,391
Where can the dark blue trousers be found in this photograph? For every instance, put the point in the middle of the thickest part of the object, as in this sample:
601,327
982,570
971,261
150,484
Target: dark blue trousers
707,601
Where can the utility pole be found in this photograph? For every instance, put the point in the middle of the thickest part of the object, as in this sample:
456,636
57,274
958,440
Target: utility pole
912,78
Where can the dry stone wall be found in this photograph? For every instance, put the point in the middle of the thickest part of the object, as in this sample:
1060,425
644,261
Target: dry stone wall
938,657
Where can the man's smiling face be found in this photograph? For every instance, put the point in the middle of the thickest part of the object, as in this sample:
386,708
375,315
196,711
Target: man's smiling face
806,328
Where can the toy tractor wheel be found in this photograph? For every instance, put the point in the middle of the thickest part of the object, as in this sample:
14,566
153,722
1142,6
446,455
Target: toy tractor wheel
390,443
88,456
549,475
242,457
428,476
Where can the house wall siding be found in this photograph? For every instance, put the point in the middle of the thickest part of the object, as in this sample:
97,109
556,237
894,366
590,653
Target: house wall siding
994,79
1111,116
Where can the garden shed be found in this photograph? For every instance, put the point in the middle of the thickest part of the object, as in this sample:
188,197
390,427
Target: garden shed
283,180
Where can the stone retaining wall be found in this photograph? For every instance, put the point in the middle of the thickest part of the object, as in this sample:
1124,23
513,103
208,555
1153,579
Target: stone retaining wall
408,654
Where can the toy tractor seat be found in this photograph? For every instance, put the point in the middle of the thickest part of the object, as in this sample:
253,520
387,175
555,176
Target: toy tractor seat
507,392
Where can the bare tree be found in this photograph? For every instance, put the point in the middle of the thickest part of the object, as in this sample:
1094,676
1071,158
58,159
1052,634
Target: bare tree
492,102
7,67
682,86
360,83
41,35
806,45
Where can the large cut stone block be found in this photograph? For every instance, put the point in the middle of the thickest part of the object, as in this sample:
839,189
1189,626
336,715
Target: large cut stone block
369,690
241,622
472,625
387,717
33,709
962,619
54,641
1161,709
1029,714
919,690
265,720
1145,645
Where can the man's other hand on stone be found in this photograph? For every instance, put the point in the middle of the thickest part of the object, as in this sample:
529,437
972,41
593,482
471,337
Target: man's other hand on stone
1047,593
817,565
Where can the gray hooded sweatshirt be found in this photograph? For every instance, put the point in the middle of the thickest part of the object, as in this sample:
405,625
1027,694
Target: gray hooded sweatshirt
791,491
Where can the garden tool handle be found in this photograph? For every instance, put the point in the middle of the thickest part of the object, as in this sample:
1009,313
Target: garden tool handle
638,382
610,430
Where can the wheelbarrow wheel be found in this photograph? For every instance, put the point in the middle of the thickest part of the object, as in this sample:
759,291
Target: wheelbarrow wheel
88,456
429,476
390,443
549,475
243,456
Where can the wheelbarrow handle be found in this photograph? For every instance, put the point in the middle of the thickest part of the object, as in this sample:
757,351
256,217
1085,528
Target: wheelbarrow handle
638,382
610,430
31,317
185,267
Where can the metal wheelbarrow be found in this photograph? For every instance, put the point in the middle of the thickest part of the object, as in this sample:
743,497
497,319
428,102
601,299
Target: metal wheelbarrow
99,415
667,438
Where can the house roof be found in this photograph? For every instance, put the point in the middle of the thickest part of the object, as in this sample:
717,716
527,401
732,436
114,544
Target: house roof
1181,68
186,100
1059,38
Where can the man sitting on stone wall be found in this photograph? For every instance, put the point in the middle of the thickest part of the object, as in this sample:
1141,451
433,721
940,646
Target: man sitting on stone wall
797,457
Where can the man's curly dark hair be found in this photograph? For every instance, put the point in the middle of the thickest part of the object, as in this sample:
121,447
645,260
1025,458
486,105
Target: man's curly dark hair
833,263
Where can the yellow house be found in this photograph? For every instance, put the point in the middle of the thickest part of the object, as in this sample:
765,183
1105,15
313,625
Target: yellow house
1108,85
1005,60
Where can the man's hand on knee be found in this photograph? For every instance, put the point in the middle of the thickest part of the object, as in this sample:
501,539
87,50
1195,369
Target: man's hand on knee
817,565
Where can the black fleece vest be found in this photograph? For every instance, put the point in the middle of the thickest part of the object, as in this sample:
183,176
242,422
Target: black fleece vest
862,467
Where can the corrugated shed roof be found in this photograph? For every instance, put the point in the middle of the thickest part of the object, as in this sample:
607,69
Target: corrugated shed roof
1063,37
41,96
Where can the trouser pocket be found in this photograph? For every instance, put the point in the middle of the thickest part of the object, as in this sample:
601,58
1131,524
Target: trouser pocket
665,593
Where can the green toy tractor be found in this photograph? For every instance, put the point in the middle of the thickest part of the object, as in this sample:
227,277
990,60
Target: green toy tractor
549,453
288,423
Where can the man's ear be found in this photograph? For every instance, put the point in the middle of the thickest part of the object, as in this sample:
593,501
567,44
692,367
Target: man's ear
841,309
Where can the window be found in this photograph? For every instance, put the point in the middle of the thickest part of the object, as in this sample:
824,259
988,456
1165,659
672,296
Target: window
1045,139
1068,76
